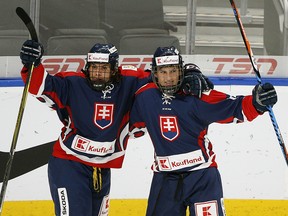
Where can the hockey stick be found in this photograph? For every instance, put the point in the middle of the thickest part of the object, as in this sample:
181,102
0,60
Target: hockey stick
30,26
258,76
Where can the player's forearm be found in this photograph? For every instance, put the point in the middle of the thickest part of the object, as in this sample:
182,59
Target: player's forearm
37,78
248,109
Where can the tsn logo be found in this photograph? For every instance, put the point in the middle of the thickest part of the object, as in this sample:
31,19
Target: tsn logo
221,65
241,66
55,65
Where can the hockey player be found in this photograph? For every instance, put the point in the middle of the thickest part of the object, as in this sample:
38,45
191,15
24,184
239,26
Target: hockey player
94,109
185,170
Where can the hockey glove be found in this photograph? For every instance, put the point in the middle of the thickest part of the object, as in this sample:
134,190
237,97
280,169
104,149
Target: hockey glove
31,51
264,95
195,82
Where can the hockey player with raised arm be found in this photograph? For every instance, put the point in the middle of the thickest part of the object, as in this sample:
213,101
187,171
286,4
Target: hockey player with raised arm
185,170
94,107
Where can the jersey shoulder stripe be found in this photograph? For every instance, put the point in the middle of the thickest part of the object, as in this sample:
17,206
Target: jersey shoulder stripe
214,96
143,88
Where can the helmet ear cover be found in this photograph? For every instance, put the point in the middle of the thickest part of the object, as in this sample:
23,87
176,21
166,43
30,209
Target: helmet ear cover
103,53
167,56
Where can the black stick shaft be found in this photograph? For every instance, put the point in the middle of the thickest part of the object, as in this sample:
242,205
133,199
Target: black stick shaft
29,24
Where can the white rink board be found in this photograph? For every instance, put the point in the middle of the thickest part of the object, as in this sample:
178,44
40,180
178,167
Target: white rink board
248,154
211,65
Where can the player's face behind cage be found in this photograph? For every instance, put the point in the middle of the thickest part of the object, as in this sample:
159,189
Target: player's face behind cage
99,74
168,78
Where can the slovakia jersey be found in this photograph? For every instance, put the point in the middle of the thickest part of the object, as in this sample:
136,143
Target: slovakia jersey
178,125
95,130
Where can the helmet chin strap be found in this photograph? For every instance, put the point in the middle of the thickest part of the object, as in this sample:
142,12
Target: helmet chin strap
169,90
98,86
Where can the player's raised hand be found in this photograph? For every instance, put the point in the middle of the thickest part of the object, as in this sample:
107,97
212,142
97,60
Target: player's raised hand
264,95
31,52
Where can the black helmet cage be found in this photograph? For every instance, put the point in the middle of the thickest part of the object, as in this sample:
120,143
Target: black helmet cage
103,53
173,59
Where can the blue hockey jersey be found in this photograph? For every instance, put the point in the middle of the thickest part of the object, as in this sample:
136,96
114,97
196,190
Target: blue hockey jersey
178,125
95,123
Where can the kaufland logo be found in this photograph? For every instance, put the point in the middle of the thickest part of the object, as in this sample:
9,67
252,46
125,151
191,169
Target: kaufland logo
81,144
173,162
98,57
90,147
209,208
102,150
186,162
167,60
164,164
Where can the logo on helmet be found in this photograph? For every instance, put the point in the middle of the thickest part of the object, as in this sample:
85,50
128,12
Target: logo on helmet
167,60
113,49
98,57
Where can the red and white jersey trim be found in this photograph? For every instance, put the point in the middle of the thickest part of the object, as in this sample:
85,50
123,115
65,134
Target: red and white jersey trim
93,160
172,163
179,161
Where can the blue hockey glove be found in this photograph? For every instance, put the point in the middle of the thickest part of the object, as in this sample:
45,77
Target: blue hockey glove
195,82
31,52
264,95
